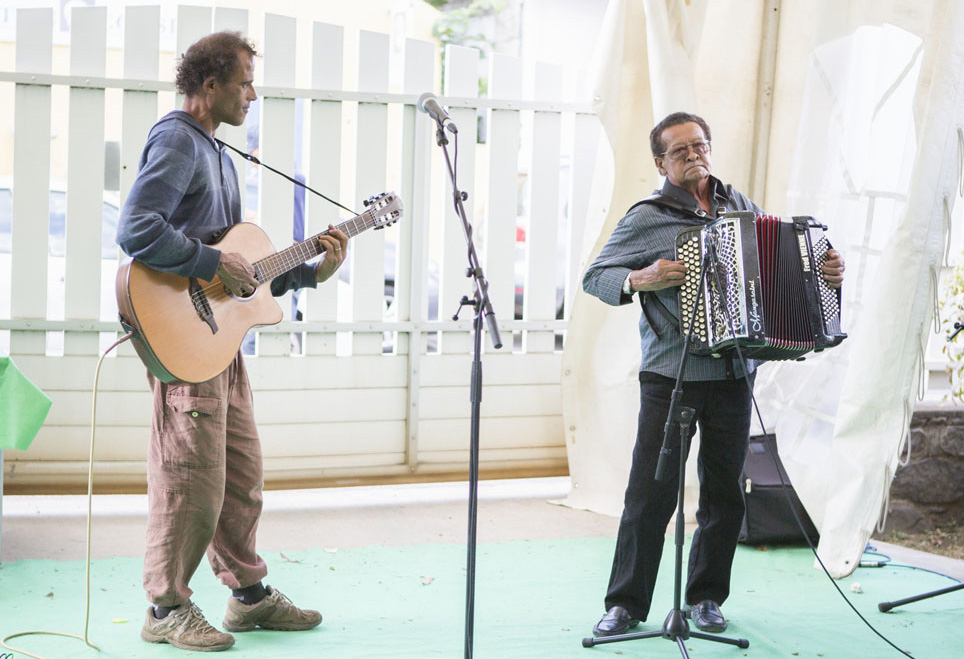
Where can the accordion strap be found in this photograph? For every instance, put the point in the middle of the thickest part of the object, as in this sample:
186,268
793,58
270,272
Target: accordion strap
660,199
647,299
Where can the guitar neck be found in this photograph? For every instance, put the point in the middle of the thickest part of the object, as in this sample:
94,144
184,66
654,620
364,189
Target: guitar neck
287,259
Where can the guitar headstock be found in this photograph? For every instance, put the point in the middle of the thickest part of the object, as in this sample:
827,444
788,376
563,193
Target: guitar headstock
385,209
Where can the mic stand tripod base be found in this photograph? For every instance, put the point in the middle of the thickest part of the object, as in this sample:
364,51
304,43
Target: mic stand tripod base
675,628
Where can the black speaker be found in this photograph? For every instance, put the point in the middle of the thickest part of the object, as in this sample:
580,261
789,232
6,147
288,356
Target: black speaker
768,519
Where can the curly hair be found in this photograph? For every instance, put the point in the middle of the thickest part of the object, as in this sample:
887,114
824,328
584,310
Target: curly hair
214,55
656,135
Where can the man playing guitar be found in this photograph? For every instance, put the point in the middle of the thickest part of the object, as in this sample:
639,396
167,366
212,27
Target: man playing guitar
204,464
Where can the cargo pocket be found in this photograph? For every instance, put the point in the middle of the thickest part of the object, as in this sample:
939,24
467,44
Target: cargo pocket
193,433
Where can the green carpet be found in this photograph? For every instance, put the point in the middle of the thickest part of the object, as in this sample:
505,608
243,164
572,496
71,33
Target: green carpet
533,599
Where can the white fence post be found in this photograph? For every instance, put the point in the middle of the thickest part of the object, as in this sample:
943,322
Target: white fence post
31,175
413,232
544,211
367,267
324,171
504,139
85,178
277,144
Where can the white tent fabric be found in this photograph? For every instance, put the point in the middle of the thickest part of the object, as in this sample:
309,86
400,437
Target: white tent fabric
864,136
600,397
891,103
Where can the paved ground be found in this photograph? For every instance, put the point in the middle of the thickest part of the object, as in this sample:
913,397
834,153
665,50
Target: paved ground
400,515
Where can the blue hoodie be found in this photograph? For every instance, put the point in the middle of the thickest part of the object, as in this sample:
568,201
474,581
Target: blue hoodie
185,195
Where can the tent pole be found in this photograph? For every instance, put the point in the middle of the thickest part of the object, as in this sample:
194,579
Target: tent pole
763,113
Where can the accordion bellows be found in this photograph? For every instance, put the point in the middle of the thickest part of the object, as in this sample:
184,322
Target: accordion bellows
763,290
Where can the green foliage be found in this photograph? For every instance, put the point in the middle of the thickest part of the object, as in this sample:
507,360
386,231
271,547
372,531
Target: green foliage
454,26
951,308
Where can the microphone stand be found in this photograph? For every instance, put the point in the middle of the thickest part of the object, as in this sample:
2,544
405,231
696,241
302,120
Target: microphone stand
884,607
483,310
675,628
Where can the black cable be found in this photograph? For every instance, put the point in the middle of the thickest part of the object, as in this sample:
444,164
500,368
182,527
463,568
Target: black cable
773,455
456,194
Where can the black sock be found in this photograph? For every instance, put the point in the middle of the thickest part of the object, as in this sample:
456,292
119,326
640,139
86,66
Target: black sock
251,594
161,612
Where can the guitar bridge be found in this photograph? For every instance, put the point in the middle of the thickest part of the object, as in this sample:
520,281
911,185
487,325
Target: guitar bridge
201,305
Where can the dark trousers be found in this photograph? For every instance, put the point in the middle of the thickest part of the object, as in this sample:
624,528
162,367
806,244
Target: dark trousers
723,413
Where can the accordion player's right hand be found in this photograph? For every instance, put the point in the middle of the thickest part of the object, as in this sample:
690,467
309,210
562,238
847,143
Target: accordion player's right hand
658,275
833,269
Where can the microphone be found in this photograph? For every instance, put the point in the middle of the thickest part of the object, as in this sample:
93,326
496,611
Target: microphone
428,103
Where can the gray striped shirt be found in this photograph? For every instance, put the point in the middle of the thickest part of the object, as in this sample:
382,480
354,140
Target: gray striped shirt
648,233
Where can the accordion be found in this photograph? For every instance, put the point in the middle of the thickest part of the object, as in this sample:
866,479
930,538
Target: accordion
763,292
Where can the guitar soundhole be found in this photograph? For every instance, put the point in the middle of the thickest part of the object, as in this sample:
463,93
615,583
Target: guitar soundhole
244,296
239,296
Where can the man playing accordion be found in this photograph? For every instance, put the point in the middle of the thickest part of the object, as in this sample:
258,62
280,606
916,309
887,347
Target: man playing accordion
640,257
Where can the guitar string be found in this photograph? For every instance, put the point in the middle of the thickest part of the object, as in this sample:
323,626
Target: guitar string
354,231
271,260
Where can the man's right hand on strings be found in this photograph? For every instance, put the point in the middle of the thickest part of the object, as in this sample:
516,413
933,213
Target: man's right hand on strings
237,274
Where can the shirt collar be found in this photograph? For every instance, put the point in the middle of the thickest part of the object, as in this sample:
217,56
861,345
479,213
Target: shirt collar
685,198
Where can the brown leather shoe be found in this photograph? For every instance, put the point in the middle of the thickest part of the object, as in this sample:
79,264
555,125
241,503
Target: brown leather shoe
273,612
185,628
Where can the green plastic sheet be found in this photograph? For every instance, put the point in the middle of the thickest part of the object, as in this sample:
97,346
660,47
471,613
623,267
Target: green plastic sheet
23,407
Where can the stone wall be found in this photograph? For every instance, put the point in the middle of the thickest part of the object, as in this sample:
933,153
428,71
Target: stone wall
929,490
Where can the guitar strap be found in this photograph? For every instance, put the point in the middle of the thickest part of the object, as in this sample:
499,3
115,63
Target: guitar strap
254,159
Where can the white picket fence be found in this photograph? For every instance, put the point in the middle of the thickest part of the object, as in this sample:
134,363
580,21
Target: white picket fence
374,393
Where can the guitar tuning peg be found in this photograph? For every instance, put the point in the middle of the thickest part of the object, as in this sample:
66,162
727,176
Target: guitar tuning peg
367,202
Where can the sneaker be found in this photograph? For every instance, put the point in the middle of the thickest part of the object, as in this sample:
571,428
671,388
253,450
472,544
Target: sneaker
273,612
185,628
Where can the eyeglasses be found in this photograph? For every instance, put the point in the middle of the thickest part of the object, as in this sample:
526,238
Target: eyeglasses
681,152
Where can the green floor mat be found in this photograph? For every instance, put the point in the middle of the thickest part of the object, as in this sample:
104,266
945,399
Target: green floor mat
532,599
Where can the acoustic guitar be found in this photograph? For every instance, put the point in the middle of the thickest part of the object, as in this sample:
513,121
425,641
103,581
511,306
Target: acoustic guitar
188,329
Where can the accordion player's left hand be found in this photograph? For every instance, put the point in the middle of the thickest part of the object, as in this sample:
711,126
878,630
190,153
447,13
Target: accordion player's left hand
833,269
